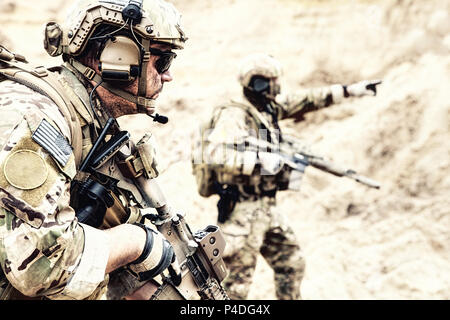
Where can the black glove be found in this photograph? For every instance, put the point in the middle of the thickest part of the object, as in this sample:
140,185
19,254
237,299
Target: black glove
157,256
363,88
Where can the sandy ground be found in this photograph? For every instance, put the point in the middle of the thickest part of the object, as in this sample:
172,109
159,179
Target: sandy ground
358,243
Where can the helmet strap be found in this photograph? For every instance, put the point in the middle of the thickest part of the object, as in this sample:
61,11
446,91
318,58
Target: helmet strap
142,81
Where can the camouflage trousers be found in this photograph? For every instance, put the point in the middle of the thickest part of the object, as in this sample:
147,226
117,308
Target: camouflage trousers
253,228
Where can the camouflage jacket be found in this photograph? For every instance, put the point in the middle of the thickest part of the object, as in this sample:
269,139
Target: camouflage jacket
233,123
44,250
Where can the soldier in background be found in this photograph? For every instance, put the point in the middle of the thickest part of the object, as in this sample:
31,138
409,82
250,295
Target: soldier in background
247,181
117,56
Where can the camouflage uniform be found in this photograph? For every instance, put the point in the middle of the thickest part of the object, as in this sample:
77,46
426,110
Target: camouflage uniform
44,250
254,226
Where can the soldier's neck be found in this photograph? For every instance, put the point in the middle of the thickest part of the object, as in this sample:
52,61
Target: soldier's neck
114,105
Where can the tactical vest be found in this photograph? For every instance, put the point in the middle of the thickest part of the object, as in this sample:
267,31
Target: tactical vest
206,177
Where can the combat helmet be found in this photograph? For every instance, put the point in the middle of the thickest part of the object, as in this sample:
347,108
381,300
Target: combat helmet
260,65
132,25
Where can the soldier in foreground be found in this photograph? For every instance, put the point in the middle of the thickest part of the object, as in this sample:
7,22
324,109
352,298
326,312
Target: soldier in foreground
72,184
238,159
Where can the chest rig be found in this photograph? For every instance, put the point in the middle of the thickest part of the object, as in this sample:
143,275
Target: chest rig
248,185
104,193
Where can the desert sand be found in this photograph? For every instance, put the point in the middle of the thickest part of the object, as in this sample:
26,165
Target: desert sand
359,243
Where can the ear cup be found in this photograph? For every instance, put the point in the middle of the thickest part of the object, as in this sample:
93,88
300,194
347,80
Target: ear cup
120,60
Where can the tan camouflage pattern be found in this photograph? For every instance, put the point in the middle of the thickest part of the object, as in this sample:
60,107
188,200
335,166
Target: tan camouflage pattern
299,103
230,125
41,242
167,22
159,17
234,122
259,64
52,41
147,151
253,229
308,100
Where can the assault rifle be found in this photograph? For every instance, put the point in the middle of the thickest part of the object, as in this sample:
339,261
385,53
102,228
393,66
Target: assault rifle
298,157
199,254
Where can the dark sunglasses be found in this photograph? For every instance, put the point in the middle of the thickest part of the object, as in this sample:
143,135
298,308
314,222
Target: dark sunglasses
164,61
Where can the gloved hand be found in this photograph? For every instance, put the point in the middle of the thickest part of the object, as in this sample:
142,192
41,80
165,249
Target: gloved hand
272,163
362,88
157,256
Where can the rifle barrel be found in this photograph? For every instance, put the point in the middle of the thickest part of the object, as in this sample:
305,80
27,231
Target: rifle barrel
329,167
366,181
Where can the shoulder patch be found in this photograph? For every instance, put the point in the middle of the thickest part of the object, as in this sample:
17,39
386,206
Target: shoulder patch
53,142
25,170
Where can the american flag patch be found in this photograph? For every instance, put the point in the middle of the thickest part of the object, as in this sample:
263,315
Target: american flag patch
53,142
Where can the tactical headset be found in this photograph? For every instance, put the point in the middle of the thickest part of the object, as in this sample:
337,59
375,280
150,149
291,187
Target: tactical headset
123,60
120,59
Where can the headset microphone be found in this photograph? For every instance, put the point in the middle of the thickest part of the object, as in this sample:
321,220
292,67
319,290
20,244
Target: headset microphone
159,118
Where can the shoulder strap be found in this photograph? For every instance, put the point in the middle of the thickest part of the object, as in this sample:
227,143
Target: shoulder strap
252,111
67,108
259,119
77,92
48,84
